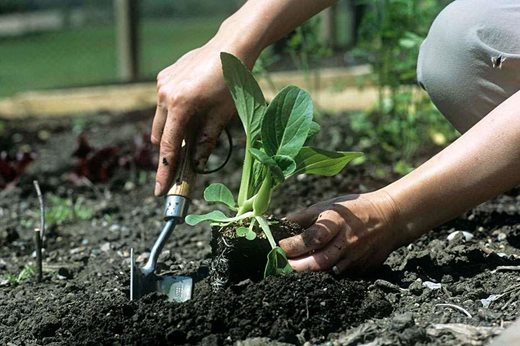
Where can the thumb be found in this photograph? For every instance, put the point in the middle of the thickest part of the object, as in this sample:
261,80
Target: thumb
305,217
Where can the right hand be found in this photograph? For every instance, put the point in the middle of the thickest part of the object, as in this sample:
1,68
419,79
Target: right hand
352,232
192,100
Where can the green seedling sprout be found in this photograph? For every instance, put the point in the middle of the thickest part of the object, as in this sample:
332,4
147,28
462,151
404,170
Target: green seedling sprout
65,209
275,150
25,274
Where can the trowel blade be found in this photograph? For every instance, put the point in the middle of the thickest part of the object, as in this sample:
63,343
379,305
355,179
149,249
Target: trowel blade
177,288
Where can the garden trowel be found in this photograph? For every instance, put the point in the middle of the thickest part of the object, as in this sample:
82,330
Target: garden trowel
144,280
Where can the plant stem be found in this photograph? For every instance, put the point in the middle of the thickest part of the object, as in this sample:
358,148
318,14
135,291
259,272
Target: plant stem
267,231
263,197
236,218
243,193
246,206
252,224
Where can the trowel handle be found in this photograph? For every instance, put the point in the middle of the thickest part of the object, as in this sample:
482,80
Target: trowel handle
185,178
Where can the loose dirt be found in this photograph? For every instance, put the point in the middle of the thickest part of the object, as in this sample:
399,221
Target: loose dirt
433,292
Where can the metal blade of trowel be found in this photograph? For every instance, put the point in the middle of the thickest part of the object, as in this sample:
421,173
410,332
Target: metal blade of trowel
145,280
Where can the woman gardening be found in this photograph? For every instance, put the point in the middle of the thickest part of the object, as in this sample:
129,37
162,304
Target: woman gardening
470,66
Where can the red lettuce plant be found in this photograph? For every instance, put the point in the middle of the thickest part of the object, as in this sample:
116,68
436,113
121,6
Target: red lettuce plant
12,167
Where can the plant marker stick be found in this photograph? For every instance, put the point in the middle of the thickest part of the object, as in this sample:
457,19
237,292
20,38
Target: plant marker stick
39,233
38,246
42,207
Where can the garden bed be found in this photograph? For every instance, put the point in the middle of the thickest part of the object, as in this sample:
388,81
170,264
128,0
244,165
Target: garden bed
83,298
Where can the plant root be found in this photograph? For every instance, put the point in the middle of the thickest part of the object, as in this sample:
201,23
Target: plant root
456,307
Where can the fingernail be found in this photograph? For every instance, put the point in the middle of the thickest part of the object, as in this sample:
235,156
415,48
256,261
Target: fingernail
158,188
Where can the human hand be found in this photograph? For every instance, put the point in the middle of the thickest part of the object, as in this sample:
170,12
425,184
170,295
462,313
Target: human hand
354,232
193,103
192,94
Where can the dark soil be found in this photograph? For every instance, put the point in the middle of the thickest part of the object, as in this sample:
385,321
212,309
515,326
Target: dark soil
83,299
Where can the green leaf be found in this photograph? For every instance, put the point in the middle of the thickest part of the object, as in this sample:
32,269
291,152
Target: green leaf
262,157
277,263
214,216
247,95
242,231
219,193
314,129
250,235
286,164
258,176
312,160
270,163
286,122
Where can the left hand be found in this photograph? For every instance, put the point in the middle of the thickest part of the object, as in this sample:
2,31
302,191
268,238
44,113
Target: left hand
354,232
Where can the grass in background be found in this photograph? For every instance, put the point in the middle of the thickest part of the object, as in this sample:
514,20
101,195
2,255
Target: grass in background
88,55
164,41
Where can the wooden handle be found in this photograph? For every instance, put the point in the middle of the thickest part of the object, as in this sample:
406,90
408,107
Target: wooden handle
185,178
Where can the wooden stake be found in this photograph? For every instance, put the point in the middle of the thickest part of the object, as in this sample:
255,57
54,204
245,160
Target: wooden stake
39,233
38,247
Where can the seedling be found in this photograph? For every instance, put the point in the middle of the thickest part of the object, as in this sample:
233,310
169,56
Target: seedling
25,274
64,209
275,150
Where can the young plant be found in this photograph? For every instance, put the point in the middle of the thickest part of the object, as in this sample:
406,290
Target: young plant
25,274
65,209
275,151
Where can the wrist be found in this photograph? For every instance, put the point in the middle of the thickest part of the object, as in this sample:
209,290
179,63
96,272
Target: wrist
406,228
235,36
390,218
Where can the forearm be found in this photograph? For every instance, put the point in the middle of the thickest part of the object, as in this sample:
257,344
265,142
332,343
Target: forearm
261,22
481,164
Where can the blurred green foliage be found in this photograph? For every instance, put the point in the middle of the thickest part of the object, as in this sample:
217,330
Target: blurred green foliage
25,274
390,35
404,120
305,46
64,209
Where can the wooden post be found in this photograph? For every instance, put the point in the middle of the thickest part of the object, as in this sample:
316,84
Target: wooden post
328,26
127,16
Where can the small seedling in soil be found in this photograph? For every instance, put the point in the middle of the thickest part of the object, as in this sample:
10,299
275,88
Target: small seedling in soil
275,150
25,274
64,209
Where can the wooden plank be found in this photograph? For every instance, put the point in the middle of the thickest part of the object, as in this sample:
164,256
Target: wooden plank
331,89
